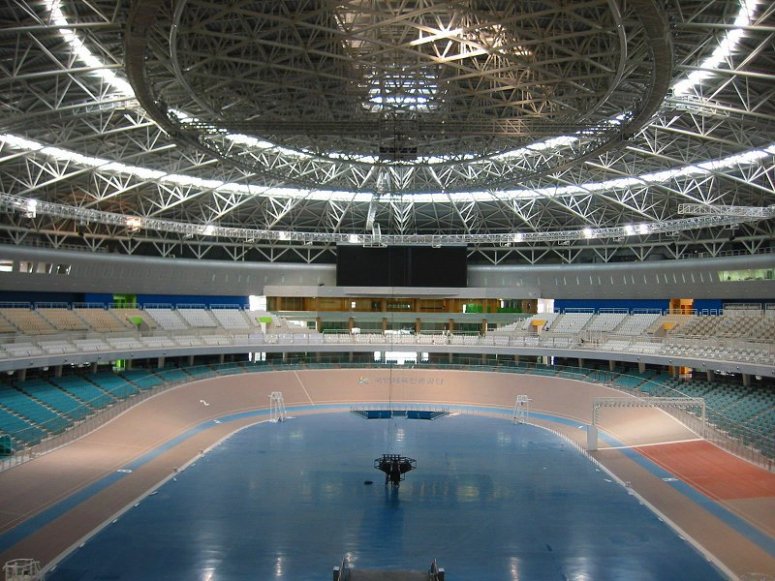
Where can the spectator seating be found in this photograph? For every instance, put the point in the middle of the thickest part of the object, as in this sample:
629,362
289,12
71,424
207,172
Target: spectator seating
172,374
113,384
606,322
570,322
55,398
6,326
103,320
83,390
763,329
63,319
231,318
701,325
737,323
197,317
636,324
90,345
672,322
527,324
135,318
57,346
27,321
32,410
22,349
167,319
24,433
124,343
142,378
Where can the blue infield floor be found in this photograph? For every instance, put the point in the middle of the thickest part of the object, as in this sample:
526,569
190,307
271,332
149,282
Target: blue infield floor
489,500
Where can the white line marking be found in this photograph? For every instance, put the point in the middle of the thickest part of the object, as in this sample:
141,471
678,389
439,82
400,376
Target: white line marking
301,383
653,444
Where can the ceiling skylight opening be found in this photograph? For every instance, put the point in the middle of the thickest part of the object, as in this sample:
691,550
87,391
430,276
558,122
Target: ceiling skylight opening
726,47
400,91
83,53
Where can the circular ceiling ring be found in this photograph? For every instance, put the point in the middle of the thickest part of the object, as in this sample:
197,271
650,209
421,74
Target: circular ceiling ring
313,168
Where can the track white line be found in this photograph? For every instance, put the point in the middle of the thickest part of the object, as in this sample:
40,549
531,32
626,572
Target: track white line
301,383
653,444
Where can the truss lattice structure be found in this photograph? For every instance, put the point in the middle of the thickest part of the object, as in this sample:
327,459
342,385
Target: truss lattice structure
530,131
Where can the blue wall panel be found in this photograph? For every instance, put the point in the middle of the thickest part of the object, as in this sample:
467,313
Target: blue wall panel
709,305
172,299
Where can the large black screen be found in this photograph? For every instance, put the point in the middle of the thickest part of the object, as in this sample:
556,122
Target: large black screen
401,266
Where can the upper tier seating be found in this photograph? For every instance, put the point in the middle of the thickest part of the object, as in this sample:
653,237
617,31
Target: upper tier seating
5,325
737,323
764,329
570,322
527,324
167,319
231,318
637,324
672,323
132,315
103,320
63,319
197,317
700,326
606,322
28,321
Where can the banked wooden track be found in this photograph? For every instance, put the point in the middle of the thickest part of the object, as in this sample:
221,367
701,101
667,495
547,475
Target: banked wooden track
61,479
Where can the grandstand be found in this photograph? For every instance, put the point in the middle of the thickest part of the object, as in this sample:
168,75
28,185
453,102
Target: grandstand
377,202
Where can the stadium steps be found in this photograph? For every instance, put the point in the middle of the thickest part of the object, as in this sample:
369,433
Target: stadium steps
56,398
84,391
114,384
32,411
142,378
19,429
172,374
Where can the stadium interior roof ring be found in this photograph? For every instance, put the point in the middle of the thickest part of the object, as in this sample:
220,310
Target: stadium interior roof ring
538,131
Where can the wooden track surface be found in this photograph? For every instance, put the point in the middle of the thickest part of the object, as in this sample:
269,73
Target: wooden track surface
30,488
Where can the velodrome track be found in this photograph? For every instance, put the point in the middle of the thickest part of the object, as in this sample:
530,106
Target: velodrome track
50,503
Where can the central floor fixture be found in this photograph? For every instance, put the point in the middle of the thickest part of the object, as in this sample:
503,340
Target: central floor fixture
395,467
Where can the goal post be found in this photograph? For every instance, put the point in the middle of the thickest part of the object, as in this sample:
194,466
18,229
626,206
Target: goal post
521,413
689,405
277,411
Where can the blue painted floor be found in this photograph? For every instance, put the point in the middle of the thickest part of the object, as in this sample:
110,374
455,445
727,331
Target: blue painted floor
490,500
